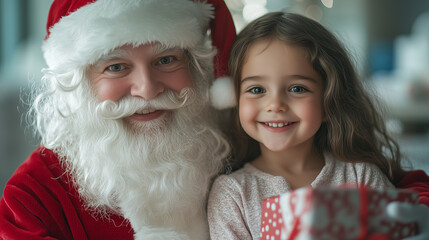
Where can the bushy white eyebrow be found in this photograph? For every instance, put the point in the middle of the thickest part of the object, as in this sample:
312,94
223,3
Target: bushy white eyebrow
160,48
122,53
115,54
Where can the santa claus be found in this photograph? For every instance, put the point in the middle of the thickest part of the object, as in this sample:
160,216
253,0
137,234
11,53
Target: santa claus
129,141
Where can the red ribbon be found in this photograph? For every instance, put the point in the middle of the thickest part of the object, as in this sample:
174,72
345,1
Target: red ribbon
297,224
295,229
377,237
363,216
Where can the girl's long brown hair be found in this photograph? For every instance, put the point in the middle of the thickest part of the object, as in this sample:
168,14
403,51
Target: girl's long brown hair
354,131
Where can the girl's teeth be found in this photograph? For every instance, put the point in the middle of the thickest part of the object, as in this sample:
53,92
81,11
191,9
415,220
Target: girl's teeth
276,125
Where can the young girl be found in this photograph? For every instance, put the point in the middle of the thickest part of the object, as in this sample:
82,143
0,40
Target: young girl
300,99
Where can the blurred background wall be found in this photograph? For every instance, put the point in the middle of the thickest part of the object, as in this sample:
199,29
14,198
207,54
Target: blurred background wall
388,39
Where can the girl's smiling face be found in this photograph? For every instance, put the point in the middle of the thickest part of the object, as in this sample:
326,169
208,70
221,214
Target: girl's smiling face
280,103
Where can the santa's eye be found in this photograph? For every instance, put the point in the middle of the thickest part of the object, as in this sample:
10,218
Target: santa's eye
116,67
166,60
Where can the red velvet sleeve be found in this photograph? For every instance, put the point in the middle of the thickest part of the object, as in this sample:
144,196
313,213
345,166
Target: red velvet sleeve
39,202
34,204
418,181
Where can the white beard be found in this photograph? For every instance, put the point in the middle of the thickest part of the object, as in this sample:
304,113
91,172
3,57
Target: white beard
155,174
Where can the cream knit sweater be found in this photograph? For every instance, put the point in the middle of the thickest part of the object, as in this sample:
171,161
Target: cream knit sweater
234,205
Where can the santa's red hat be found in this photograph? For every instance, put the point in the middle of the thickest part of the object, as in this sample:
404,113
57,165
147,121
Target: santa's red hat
79,32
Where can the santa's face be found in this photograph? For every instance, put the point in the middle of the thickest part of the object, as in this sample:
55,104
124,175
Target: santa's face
143,72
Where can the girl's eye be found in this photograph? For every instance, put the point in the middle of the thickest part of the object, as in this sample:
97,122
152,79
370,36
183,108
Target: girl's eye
116,67
166,60
257,90
297,89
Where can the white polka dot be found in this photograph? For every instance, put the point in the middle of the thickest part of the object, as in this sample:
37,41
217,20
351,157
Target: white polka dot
277,232
405,231
396,235
276,200
335,228
272,238
268,205
275,215
273,207
274,224
268,236
280,220
262,230
267,228
266,214
269,221
383,202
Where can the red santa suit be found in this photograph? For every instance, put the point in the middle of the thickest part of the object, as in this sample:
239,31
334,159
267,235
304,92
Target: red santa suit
40,202
418,181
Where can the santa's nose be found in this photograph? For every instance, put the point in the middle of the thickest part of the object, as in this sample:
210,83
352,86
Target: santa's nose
145,84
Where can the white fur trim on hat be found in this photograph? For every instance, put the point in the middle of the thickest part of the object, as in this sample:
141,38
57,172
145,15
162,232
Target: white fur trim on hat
93,30
222,93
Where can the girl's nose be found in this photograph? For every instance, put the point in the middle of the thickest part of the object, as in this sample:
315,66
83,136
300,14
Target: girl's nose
277,103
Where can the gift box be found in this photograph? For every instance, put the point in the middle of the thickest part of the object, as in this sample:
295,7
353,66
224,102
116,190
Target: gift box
335,213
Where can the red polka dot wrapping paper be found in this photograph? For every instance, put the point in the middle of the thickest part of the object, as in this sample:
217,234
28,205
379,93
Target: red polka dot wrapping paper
334,213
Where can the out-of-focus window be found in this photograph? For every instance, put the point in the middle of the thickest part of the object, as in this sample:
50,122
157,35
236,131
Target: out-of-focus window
13,29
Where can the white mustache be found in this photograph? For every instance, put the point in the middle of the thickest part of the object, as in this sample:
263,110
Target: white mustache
129,105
